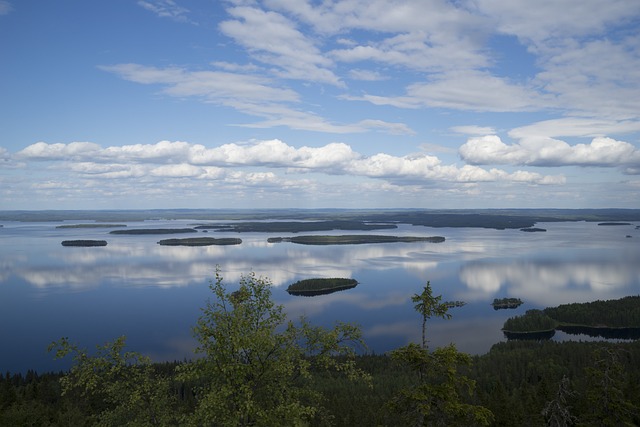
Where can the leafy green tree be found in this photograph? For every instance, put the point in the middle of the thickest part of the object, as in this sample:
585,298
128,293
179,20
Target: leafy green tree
436,398
257,369
117,388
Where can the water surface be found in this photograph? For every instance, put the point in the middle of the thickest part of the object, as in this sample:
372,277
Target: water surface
153,294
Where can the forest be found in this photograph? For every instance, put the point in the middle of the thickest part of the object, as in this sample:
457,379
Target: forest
604,316
256,368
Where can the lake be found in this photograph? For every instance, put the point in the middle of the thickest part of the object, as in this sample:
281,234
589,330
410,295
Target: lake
153,293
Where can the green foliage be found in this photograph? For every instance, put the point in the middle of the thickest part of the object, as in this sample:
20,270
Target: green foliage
428,306
256,369
436,396
532,321
117,388
623,312
605,391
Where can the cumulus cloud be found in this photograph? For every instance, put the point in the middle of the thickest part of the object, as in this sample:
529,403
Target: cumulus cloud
44,151
184,160
543,151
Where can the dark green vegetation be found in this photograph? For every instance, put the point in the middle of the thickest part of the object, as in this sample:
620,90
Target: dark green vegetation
533,230
320,286
611,318
92,225
257,369
296,226
139,231
500,303
486,218
200,241
453,304
84,243
353,239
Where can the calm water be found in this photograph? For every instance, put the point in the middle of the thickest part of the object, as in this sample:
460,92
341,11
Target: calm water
153,294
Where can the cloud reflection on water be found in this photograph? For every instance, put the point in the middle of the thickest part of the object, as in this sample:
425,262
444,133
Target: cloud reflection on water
549,283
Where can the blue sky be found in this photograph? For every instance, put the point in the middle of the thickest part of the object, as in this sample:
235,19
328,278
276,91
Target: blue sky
308,104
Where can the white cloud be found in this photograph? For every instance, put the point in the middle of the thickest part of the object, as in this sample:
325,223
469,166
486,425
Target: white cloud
575,126
473,130
5,7
183,160
465,90
44,151
166,9
542,151
215,86
273,39
549,19
366,75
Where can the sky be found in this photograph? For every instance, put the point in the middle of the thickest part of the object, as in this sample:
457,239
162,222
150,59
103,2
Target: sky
128,104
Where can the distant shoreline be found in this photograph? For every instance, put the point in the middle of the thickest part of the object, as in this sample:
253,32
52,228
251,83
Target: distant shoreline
474,218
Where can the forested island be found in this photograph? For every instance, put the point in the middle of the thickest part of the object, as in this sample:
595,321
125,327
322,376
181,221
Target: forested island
533,230
353,239
618,318
200,241
502,303
84,243
320,286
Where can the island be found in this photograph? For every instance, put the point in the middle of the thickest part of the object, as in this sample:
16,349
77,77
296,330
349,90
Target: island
200,241
606,319
453,304
92,225
502,303
138,231
354,239
533,230
614,223
84,243
320,286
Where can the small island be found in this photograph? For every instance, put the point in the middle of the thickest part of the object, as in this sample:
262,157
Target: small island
533,230
453,304
502,303
139,231
355,239
200,241
320,286
84,243
614,223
